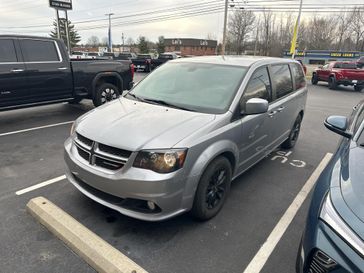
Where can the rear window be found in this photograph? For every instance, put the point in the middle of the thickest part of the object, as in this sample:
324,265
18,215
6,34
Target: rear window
7,51
144,57
346,65
298,76
39,51
282,79
165,56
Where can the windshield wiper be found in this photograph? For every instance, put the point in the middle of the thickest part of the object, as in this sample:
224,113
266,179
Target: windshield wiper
168,104
134,96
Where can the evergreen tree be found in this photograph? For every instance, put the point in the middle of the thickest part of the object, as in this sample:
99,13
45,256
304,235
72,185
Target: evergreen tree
161,45
143,44
75,38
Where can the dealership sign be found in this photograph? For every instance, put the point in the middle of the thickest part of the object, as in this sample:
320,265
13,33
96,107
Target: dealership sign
60,4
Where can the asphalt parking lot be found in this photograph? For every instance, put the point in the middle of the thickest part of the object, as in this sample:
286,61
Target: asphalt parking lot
31,147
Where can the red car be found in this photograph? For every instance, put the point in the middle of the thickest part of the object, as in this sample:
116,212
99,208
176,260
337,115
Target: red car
340,73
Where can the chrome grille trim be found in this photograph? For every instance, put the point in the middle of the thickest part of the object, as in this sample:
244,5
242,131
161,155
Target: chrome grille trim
98,158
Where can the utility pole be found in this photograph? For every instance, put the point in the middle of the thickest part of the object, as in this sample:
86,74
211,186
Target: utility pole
298,26
109,34
224,33
122,38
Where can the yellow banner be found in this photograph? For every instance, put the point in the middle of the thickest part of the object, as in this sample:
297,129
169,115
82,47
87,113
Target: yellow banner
294,39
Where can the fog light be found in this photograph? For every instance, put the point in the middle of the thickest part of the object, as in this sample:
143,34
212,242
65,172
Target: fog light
151,205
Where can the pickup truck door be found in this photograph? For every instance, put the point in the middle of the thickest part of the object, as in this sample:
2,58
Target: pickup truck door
48,71
13,82
324,73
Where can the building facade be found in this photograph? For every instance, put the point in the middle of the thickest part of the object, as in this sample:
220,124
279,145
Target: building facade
324,56
190,46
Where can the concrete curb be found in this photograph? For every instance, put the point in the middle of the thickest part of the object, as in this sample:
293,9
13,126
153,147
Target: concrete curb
95,251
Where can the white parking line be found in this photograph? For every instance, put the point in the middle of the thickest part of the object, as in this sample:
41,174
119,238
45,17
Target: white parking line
267,248
40,185
35,128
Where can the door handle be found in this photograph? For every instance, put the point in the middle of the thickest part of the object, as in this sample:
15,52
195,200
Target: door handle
15,70
280,109
62,68
272,114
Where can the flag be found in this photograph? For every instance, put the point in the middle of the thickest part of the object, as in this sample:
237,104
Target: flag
294,39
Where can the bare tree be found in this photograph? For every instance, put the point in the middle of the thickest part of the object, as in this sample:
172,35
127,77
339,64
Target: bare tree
241,24
343,26
93,41
357,26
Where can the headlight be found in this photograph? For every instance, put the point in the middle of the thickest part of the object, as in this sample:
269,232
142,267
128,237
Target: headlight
161,161
329,215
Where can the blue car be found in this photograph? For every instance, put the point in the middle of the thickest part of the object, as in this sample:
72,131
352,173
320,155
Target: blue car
333,240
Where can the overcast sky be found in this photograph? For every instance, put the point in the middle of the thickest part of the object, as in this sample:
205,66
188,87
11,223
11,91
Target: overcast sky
34,17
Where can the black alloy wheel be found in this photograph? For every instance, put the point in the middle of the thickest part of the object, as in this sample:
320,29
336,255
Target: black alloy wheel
212,189
105,93
293,136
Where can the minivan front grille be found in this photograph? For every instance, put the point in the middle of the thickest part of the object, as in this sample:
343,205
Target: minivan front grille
101,155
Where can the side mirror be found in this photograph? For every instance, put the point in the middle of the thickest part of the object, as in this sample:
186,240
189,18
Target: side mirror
255,106
338,124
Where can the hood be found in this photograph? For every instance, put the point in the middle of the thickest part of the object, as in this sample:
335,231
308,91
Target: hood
352,180
134,125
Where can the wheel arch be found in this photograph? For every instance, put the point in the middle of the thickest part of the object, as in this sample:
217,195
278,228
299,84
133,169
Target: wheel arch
107,77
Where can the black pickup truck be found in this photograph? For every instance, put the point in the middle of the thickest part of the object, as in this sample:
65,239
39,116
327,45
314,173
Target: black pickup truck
37,70
143,61
163,58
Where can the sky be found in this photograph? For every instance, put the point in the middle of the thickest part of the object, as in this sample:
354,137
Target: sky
34,17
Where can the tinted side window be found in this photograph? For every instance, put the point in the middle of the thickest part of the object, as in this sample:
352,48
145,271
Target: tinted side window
7,51
258,87
39,51
298,75
281,77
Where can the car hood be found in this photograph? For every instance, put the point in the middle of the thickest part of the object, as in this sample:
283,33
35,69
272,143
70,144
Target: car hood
352,180
134,125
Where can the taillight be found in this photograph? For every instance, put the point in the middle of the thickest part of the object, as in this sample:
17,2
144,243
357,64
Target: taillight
132,71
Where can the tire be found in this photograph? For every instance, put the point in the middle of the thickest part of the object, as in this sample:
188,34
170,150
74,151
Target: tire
212,189
314,79
148,69
358,88
293,135
332,83
76,100
104,93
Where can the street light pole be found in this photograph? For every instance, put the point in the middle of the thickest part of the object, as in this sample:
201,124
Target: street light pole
110,42
224,33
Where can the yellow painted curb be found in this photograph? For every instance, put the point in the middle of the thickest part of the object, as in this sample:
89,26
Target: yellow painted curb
99,254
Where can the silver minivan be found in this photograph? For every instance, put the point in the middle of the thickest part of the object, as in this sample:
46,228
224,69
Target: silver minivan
176,141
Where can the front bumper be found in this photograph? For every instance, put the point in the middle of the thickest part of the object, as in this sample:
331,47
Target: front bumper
128,186
324,239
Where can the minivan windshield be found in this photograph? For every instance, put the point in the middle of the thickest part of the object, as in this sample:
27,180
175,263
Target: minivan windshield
206,88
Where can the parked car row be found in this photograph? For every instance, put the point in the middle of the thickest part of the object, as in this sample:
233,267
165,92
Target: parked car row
37,70
340,73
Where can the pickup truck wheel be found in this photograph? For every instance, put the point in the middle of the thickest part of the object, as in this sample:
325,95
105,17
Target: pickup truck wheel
105,92
212,189
314,79
358,88
332,83
293,136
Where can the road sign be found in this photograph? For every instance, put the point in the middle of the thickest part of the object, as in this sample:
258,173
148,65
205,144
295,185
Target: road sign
61,4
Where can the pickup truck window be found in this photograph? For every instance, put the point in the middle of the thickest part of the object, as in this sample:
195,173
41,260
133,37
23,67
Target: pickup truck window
7,51
39,51
281,76
258,87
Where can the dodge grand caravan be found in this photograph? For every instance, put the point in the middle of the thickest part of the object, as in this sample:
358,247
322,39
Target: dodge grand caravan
176,141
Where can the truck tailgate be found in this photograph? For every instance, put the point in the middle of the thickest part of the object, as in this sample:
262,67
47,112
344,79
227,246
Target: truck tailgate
353,74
